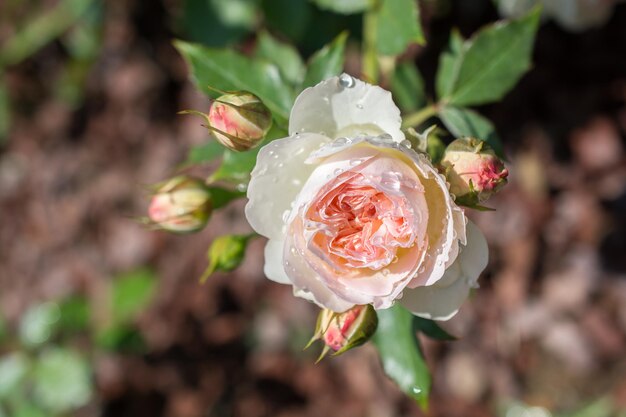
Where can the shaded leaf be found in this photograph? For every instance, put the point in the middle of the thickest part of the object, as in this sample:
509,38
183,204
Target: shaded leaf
228,70
407,87
220,197
398,26
121,338
204,153
449,64
344,6
400,353
466,122
431,329
283,55
75,314
327,62
491,62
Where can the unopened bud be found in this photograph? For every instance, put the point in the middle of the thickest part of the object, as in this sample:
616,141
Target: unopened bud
473,170
341,332
239,120
181,205
226,253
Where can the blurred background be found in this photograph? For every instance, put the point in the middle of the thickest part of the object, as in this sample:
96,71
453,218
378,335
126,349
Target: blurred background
101,317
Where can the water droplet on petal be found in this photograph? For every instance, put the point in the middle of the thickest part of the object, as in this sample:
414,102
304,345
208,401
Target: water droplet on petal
385,272
346,81
406,144
359,106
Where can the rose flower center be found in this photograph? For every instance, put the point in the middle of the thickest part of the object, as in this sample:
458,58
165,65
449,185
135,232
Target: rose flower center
355,224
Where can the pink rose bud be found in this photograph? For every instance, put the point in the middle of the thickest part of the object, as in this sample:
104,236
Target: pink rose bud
239,120
181,205
473,170
341,332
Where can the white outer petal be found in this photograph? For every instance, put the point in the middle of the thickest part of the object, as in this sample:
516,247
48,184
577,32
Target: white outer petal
439,302
273,267
276,180
330,109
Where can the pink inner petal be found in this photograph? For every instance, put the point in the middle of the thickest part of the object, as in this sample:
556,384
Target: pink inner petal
356,223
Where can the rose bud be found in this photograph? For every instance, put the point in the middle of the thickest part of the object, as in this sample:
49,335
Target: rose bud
341,332
226,253
239,120
181,205
473,171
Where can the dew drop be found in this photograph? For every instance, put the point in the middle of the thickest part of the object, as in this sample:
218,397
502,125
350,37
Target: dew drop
337,171
355,162
385,272
346,81
406,144
275,156
416,390
280,165
242,187
359,106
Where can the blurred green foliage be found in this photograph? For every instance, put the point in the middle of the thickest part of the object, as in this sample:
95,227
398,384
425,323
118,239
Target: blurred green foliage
43,369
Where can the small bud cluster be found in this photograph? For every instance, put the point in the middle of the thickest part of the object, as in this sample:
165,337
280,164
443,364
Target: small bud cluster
473,170
341,332
181,205
238,120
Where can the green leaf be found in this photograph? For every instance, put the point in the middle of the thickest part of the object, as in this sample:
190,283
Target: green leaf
75,314
465,122
24,409
61,380
228,70
449,64
13,369
283,55
220,197
400,353
131,293
41,29
236,166
207,152
431,329
38,323
121,338
398,26
492,61
344,6
327,62
407,87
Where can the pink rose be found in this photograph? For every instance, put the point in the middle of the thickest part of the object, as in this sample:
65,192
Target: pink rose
353,215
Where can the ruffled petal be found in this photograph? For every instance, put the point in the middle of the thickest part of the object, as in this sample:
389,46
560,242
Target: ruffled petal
345,106
277,179
441,302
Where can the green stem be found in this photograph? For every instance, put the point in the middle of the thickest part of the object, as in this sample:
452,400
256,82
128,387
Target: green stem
370,56
419,117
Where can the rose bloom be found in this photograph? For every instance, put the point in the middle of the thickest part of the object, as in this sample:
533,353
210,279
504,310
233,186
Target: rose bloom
353,215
